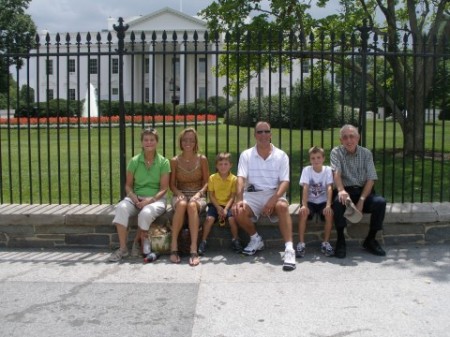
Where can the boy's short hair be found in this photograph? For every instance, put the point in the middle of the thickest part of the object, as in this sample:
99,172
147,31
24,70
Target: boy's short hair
223,156
316,149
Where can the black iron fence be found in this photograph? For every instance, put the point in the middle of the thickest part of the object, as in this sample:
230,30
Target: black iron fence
73,109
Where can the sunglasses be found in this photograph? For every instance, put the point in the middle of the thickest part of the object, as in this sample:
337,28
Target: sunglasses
260,132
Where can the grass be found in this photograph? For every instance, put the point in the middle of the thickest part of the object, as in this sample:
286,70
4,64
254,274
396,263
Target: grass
82,166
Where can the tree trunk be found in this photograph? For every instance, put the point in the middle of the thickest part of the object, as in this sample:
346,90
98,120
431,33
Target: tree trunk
413,126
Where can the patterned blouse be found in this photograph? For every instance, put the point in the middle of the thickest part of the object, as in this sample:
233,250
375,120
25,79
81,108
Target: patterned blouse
189,181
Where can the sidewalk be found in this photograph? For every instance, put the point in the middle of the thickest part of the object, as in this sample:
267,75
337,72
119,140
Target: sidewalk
75,293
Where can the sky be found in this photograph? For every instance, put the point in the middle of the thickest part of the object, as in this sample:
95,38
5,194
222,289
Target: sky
62,16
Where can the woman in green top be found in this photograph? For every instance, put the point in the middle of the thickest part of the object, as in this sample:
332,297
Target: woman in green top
146,185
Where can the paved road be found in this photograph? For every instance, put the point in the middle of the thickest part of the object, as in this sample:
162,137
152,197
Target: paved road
75,293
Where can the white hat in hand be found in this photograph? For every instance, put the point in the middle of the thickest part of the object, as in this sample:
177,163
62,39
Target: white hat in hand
351,213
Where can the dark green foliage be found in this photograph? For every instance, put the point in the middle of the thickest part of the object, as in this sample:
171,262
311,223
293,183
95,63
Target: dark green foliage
310,107
313,107
197,108
444,115
218,105
52,108
112,108
274,109
346,115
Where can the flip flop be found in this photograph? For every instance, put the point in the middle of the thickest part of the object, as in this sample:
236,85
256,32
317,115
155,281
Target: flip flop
174,256
194,260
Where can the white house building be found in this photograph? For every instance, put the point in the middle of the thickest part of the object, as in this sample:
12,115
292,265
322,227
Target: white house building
154,71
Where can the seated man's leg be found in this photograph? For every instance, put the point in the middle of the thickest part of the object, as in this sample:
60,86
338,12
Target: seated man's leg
285,221
376,205
340,223
285,224
244,220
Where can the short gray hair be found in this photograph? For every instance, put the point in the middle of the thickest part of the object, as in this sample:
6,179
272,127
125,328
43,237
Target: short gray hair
348,127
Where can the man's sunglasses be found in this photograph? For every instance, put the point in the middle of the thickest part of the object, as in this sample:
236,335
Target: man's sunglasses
259,132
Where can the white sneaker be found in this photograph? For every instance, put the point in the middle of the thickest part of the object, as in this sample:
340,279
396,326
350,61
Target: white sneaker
117,255
289,260
254,245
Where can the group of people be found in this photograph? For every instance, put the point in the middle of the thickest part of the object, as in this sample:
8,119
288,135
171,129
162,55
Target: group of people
258,190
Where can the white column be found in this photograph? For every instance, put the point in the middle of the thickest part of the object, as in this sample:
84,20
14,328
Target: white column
182,73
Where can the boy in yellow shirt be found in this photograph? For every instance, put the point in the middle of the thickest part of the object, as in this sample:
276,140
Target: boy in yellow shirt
222,190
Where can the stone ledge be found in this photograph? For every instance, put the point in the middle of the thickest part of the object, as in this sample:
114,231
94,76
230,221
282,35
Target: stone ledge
91,226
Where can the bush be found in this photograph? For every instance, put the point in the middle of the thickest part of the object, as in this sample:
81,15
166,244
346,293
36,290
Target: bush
347,115
52,108
197,108
312,107
444,115
265,108
112,108
218,105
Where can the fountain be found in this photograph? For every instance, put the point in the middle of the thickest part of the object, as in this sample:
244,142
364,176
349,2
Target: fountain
90,106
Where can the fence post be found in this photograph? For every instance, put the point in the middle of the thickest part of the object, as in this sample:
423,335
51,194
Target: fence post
364,29
121,29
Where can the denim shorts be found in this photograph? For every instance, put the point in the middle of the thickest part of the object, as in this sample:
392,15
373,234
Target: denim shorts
212,211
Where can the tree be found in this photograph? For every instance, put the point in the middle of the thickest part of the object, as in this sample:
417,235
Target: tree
425,23
16,31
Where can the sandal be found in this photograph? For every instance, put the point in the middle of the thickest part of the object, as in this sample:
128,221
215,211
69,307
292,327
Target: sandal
174,256
194,260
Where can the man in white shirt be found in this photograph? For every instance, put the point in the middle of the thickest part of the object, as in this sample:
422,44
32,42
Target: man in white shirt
263,179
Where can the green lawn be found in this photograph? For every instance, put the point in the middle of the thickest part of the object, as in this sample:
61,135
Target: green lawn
82,166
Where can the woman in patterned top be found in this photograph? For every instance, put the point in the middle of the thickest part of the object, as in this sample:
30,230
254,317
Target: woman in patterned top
189,183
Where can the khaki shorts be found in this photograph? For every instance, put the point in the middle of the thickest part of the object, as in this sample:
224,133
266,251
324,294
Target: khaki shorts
146,216
257,200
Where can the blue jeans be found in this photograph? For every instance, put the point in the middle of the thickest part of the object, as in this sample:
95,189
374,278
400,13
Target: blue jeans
374,204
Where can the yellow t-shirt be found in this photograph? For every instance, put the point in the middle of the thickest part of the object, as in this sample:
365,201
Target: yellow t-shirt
222,188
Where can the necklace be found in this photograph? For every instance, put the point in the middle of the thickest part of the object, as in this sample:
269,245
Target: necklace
186,160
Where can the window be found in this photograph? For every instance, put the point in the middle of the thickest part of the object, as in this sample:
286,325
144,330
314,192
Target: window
72,94
49,67
93,66
147,65
305,66
147,95
49,94
114,91
259,91
71,66
202,93
283,92
202,65
115,66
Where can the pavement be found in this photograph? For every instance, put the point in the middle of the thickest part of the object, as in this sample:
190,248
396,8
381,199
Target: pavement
76,293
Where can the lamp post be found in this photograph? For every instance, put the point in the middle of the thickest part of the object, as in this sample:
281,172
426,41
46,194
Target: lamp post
121,29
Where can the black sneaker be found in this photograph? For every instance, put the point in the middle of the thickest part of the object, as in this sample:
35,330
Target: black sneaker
202,247
373,247
236,245
341,249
